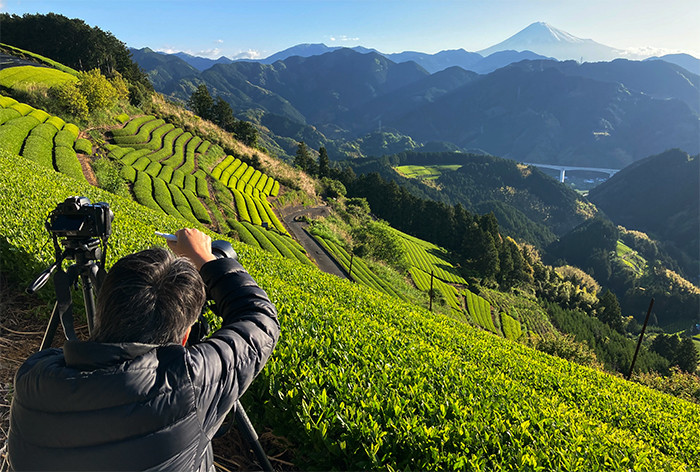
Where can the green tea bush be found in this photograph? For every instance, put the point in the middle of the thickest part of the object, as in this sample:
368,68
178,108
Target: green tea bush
8,114
166,173
190,183
153,169
22,108
64,138
67,162
141,164
181,204
6,101
162,195
178,178
143,191
244,233
57,122
40,115
167,149
199,210
14,132
128,173
202,187
83,146
122,118
261,238
132,126
252,210
142,137
178,155
72,129
134,156
156,139
44,130
39,150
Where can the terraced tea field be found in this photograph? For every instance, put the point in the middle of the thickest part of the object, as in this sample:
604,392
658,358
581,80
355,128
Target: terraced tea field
425,172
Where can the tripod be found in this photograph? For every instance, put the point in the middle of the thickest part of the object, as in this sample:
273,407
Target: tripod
91,275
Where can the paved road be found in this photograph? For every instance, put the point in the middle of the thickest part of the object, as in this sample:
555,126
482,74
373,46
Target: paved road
322,258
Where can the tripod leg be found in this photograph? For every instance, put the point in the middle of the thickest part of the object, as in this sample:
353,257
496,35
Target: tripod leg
89,298
51,328
246,428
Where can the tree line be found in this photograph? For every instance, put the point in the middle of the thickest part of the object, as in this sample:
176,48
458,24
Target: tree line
77,45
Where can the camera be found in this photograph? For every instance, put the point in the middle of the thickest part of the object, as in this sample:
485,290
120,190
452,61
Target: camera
77,218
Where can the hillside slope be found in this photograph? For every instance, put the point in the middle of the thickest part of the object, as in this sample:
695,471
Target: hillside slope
362,381
659,195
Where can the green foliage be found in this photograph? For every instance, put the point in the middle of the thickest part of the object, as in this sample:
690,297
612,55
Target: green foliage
363,381
97,90
109,177
67,162
83,146
201,103
304,160
566,347
378,241
678,383
75,44
199,211
511,327
15,77
14,132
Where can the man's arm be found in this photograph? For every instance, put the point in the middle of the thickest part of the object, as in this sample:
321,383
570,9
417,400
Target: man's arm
223,366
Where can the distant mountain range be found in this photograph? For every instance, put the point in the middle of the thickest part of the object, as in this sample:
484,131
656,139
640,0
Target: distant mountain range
538,41
605,114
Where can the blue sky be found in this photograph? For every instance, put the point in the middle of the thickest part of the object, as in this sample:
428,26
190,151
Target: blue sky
261,28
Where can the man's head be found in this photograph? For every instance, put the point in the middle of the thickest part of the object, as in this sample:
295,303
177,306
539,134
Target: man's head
150,297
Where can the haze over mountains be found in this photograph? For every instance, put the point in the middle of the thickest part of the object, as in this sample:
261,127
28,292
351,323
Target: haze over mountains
513,103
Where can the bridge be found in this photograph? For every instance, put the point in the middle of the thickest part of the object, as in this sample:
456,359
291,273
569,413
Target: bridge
562,169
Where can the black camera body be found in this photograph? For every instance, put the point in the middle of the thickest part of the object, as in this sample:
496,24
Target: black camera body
76,218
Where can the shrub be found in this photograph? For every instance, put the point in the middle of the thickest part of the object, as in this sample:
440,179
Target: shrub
67,162
141,163
136,156
109,176
83,146
178,178
166,173
243,233
39,150
128,173
143,191
181,204
97,90
199,210
7,114
40,115
64,138
123,118
57,122
153,169
70,98
72,129
164,198
44,130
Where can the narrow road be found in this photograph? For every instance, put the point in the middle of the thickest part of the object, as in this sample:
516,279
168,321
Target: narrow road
298,228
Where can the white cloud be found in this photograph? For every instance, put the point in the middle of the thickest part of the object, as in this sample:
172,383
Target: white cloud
168,50
211,53
249,54
220,41
648,51
343,38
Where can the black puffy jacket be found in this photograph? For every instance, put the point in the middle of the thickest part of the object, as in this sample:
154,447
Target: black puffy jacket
130,406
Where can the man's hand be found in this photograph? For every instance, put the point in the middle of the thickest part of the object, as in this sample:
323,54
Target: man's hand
194,245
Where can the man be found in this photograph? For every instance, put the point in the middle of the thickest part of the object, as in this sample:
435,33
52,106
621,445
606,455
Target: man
134,397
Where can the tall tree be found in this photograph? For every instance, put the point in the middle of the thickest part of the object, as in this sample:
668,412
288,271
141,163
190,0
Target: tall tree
324,169
687,356
304,160
201,103
245,132
609,311
223,114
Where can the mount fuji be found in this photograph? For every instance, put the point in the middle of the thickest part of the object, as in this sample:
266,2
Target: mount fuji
547,40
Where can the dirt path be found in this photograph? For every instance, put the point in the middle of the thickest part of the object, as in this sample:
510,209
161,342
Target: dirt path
298,228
